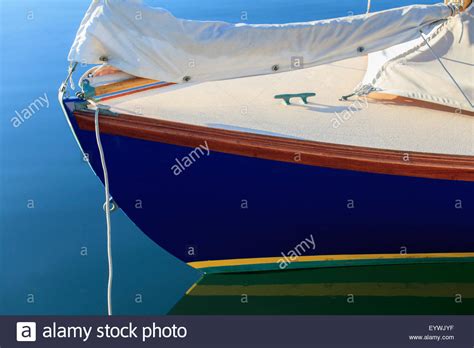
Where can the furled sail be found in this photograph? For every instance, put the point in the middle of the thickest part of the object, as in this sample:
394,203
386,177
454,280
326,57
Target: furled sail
439,70
152,43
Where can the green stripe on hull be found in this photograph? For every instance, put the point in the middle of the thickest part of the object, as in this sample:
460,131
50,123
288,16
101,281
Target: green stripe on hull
325,264
340,289
420,288
418,273
322,306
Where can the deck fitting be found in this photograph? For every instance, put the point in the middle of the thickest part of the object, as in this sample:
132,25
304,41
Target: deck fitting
287,97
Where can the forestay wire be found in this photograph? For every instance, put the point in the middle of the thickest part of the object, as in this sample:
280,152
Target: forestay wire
446,69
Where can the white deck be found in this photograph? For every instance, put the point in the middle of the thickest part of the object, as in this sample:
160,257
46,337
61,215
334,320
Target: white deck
248,105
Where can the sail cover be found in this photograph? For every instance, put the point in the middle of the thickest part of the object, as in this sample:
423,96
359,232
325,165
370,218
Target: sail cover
413,70
152,43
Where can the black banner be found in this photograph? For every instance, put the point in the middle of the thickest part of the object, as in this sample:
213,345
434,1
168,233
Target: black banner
238,331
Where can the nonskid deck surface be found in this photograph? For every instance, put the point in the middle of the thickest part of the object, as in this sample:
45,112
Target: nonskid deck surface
248,105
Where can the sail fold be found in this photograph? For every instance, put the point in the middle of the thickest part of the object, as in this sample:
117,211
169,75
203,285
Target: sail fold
152,43
437,69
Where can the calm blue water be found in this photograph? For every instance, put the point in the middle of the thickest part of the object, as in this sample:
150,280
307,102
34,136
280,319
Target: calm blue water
51,203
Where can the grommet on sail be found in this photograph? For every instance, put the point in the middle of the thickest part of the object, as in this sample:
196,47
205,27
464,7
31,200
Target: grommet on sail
160,46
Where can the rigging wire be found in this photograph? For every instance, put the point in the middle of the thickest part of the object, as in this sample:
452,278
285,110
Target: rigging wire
446,69
63,91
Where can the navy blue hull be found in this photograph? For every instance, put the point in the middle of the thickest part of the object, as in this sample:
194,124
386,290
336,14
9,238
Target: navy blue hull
226,206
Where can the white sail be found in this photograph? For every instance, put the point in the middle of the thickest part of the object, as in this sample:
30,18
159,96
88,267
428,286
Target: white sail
441,73
150,42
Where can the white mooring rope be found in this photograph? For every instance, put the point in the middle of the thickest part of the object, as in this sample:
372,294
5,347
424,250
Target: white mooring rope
368,6
61,93
107,210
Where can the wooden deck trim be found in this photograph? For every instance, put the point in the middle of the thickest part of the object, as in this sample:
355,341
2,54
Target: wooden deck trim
144,88
363,159
399,100
121,85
